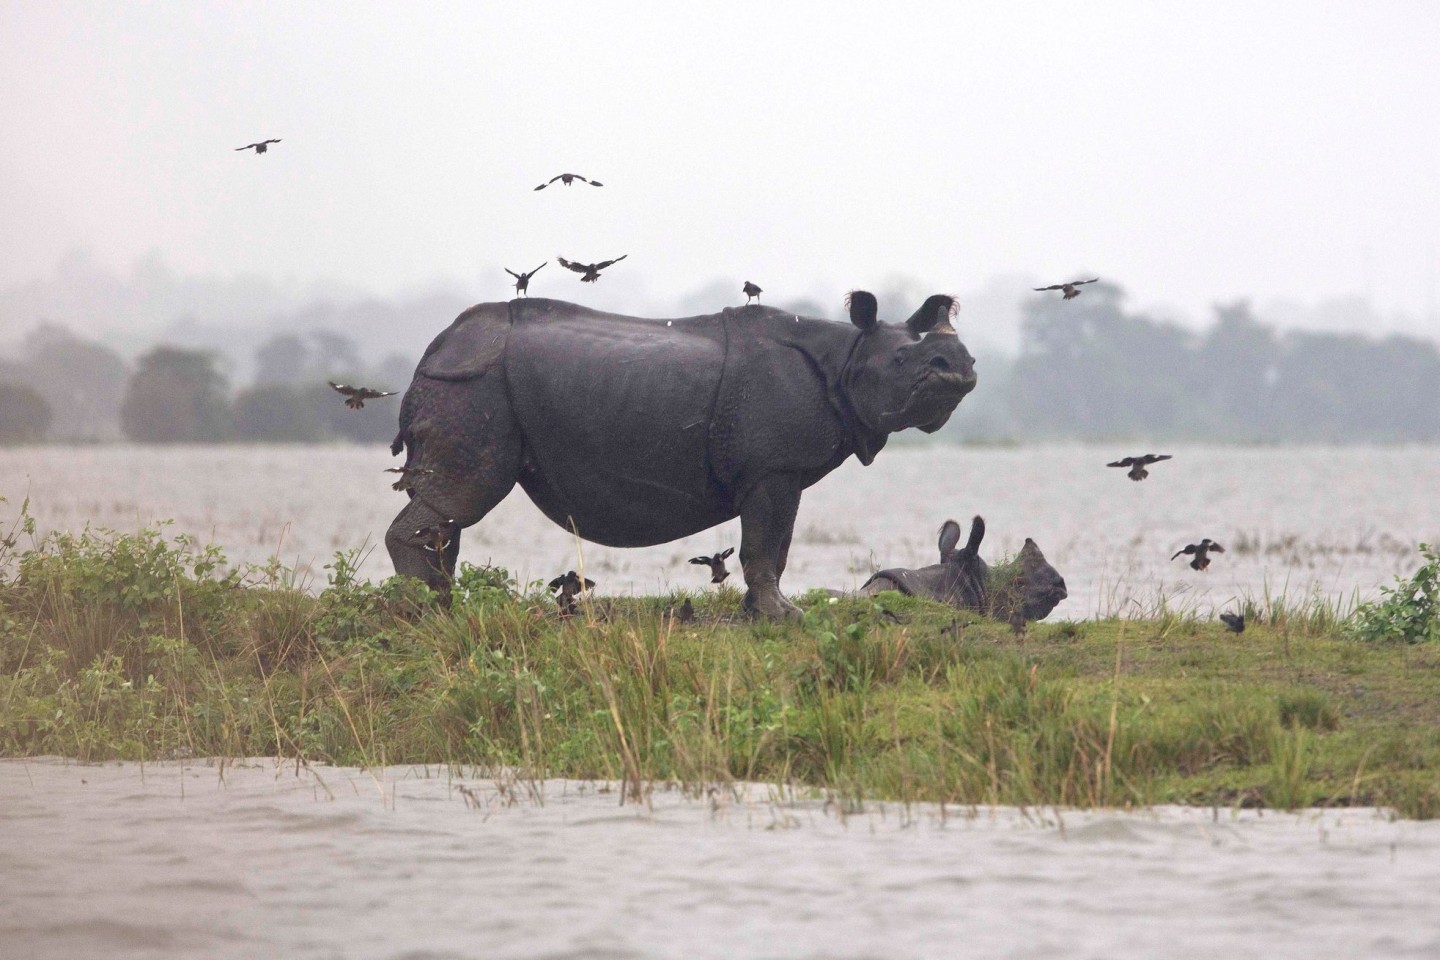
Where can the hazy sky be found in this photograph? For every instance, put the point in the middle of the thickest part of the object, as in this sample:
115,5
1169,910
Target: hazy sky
1192,152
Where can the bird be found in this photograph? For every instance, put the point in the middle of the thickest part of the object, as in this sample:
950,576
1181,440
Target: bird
685,613
1234,622
1137,465
718,573
750,290
356,396
522,280
566,178
437,538
591,271
407,476
1201,552
1069,288
259,148
566,587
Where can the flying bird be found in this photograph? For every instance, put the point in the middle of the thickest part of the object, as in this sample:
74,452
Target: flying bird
1234,622
522,280
408,476
750,290
566,587
437,538
566,178
718,573
1069,288
1201,552
1137,465
591,271
356,396
259,148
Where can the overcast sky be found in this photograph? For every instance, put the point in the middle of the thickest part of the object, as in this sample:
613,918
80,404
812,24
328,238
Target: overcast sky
1192,152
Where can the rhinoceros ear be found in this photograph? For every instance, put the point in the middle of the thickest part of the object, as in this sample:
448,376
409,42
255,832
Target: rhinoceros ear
934,314
864,311
949,536
977,533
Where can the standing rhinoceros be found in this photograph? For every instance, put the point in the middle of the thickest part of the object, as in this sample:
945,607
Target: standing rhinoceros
635,432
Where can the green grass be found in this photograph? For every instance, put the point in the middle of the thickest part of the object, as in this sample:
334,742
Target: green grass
143,647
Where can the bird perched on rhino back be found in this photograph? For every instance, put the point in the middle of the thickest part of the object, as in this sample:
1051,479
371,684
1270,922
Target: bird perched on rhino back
1137,465
751,290
633,432
522,280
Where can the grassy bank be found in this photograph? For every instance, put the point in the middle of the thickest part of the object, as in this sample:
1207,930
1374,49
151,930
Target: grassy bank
141,647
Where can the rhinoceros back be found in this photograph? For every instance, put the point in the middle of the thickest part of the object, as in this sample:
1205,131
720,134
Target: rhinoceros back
615,413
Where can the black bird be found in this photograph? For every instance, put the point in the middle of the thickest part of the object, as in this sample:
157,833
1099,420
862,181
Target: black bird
522,280
1201,552
591,271
1234,622
408,476
685,613
437,538
718,573
566,588
356,396
1137,465
565,178
750,290
259,148
1070,292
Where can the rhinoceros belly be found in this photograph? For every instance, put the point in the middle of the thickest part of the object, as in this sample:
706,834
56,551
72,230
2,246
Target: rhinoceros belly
615,414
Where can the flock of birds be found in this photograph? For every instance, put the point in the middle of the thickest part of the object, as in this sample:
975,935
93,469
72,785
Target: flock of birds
568,586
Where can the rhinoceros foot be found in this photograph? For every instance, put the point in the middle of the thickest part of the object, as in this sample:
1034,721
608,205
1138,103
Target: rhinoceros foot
772,605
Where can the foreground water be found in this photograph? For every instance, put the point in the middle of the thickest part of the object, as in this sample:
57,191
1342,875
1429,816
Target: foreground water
1294,520
261,860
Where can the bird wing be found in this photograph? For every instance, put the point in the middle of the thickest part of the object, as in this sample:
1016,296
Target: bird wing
727,552
537,269
593,183
542,186
589,584
276,140
1188,549
1053,286
705,561
367,393
1076,283
344,388
1156,457
246,147
511,272
1216,547
606,263
577,267
1128,461
557,583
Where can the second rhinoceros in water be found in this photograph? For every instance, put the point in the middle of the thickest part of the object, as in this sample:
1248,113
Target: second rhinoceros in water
635,432
1024,588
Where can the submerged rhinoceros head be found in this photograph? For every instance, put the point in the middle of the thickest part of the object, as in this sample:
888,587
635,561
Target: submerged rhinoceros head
910,375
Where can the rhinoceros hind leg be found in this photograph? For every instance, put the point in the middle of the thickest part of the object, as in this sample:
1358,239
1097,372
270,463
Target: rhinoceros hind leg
767,519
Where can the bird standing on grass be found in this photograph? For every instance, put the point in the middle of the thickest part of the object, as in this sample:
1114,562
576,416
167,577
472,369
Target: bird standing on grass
718,573
1234,622
565,178
259,148
1070,292
522,280
750,290
356,396
1201,552
591,271
566,588
1137,465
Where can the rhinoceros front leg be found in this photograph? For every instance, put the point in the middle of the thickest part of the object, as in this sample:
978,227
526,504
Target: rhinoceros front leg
767,518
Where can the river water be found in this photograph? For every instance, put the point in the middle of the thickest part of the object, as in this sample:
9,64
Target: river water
257,859
1294,520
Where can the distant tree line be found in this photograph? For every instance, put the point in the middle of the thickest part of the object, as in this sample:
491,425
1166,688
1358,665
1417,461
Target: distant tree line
1088,369
68,389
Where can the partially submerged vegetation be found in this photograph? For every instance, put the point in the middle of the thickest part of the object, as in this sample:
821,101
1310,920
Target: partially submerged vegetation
143,647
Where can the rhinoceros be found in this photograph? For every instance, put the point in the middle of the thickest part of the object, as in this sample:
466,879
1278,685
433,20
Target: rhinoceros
632,432
1025,588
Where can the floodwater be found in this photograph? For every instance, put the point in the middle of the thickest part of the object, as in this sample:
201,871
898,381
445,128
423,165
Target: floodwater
1294,520
258,859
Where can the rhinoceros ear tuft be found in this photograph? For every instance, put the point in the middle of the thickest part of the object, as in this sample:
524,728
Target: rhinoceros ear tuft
934,314
864,311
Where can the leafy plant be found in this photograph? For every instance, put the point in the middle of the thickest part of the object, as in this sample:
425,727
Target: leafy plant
1408,611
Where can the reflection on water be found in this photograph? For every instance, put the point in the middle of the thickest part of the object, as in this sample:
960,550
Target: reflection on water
1346,519
262,860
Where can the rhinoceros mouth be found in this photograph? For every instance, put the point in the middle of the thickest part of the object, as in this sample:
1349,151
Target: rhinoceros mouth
935,390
